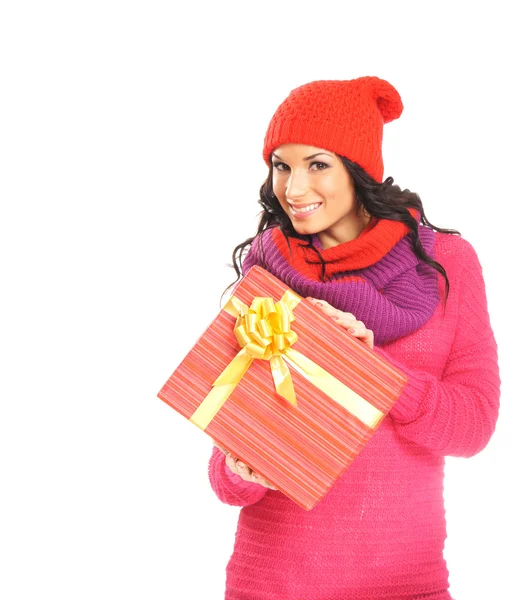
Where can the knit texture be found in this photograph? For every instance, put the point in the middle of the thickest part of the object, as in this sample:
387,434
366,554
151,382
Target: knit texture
376,277
380,532
343,116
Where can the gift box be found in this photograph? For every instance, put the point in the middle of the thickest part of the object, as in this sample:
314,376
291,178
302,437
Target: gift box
284,387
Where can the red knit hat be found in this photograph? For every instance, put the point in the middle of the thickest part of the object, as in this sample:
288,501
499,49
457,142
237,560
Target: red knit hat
345,117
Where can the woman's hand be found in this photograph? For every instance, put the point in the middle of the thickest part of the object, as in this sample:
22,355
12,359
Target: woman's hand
239,468
347,320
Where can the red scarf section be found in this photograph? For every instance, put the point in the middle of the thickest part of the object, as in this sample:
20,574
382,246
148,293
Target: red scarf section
374,242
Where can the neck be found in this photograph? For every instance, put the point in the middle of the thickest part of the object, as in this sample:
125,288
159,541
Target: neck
344,233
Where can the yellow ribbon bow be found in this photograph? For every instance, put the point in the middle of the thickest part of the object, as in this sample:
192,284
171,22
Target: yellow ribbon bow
263,331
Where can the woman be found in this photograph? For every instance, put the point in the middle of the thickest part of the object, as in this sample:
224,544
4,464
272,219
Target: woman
365,253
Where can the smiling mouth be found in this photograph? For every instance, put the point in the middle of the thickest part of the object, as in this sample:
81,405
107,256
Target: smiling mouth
305,210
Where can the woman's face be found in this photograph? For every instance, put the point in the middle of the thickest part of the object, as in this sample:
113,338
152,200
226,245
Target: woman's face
308,177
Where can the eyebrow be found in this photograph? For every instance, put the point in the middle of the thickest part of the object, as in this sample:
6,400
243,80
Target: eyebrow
307,157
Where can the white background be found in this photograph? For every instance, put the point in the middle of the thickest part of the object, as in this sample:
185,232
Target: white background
131,139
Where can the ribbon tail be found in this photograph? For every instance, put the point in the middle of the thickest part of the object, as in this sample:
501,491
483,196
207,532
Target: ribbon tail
210,406
223,386
282,378
335,389
235,369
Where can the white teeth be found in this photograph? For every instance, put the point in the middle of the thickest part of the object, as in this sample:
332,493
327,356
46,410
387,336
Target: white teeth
306,208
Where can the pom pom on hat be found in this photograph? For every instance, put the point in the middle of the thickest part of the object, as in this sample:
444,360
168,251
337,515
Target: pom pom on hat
387,98
345,117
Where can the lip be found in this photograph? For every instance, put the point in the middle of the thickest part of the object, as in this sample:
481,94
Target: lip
300,205
303,215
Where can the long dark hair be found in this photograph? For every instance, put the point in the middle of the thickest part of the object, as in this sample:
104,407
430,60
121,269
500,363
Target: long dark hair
381,200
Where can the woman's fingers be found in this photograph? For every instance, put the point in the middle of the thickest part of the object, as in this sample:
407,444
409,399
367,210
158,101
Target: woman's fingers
243,470
362,333
256,478
347,320
237,466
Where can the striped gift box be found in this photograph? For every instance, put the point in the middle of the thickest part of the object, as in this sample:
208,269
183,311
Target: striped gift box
283,387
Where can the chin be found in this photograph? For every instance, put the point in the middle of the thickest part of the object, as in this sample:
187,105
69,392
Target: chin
306,229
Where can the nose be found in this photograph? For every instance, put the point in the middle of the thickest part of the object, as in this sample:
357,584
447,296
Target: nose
297,183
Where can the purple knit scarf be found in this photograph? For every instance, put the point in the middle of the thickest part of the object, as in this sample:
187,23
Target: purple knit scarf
393,297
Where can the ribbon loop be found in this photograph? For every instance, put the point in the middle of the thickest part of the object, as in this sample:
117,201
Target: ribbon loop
263,330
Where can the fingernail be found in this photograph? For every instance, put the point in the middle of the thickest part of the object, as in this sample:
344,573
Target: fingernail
351,330
335,317
319,304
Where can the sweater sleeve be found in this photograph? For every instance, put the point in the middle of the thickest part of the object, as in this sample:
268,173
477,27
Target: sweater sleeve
455,415
229,487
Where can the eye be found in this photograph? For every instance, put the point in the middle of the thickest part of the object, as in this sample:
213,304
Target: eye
278,164
319,163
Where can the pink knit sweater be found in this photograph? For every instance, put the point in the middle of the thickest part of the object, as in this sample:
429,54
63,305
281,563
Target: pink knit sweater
380,532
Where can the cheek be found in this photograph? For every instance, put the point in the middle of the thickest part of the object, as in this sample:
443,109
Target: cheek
279,191
330,187
277,188
341,196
